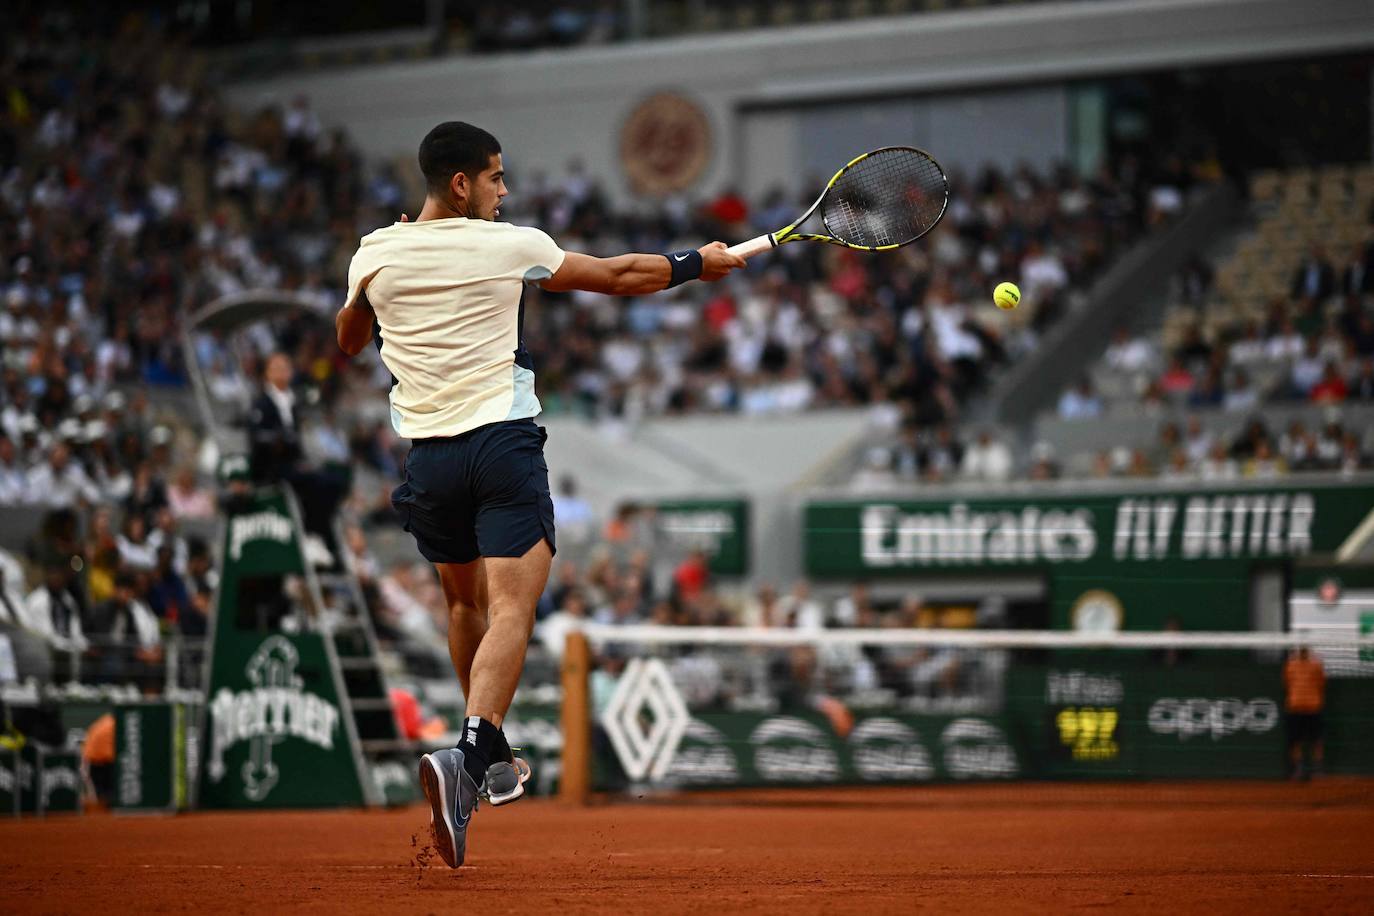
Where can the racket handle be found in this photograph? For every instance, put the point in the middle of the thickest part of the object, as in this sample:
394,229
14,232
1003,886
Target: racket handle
753,246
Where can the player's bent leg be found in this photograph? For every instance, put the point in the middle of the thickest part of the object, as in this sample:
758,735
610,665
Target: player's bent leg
465,591
514,585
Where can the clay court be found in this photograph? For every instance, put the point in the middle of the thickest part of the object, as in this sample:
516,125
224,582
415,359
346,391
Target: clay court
1188,848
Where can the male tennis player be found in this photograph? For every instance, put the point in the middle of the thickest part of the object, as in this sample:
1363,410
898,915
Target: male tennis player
445,293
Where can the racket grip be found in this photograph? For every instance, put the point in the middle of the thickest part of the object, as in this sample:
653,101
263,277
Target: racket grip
752,247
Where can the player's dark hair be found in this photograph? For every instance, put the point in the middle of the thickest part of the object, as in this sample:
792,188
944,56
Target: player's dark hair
452,147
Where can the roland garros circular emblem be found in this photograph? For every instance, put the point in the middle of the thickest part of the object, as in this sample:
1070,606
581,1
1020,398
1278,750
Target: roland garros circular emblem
665,144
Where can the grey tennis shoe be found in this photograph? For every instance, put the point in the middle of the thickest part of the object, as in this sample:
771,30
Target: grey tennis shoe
452,800
505,781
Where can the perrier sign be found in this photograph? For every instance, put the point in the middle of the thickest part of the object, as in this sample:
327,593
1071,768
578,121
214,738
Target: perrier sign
276,734
1160,552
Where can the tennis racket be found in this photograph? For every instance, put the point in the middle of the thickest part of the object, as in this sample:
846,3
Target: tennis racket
880,201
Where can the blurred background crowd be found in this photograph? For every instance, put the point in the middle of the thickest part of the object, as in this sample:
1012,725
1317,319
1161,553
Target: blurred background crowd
133,193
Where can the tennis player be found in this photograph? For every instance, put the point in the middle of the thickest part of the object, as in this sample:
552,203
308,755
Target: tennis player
445,295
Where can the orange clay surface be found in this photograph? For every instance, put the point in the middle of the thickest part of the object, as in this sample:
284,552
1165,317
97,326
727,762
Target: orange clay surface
1185,848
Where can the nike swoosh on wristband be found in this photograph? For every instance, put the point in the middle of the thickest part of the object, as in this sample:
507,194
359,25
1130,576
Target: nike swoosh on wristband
679,257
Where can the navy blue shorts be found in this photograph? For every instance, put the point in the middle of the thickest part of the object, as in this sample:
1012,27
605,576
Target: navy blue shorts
484,493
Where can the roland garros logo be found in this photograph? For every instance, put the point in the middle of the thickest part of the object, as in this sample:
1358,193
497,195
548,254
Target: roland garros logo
273,709
665,144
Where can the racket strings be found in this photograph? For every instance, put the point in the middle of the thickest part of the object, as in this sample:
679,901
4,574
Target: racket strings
888,198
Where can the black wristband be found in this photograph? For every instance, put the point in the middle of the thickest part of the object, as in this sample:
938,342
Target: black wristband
685,265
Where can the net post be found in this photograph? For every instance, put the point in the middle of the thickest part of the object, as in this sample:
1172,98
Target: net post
575,779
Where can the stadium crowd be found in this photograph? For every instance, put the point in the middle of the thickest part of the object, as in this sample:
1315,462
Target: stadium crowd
132,194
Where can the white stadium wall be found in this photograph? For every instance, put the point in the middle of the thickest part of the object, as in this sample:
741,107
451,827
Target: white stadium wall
769,95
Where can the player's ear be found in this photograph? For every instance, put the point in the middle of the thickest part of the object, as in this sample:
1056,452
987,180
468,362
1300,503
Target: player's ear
458,185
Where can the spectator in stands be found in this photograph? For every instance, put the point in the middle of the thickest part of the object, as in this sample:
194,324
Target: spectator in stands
799,610
201,581
1219,465
1177,380
1176,466
1210,391
1307,370
553,630
62,482
14,479
11,590
167,593
187,499
854,609
1357,276
1080,402
942,458
1197,441
692,576
1194,280
1330,388
1353,457
1241,396
1264,463
1361,387
1298,447
877,473
1129,353
1043,466
147,492
1314,278
136,551
987,459
576,521
1284,343
1248,349
1360,331
126,642
763,608
53,612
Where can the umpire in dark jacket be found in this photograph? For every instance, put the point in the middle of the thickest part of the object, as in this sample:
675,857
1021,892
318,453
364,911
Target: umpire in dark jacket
277,456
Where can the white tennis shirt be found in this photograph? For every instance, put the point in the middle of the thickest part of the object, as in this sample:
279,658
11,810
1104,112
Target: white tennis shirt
447,293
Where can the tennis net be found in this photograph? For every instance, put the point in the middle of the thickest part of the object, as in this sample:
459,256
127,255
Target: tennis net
665,708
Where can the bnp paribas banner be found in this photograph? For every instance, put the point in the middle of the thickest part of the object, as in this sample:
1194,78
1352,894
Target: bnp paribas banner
719,528
1141,556
276,733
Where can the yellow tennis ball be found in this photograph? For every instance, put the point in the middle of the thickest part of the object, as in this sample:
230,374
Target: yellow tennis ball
1006,295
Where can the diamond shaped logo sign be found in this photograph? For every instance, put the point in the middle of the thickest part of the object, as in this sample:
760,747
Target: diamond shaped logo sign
645,689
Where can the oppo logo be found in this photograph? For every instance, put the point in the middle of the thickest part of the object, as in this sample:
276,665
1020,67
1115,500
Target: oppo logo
1196,716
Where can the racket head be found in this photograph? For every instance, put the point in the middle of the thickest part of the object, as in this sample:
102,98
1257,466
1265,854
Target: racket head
884,199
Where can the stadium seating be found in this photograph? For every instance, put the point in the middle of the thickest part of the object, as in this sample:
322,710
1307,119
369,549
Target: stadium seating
1239,316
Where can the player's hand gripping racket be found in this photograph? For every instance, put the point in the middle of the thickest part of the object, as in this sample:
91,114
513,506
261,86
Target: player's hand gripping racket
881,200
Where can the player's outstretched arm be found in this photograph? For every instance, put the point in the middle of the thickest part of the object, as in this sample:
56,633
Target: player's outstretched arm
353,325
638,274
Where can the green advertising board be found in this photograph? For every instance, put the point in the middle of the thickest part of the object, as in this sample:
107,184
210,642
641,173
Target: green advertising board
800,747
1145,555
150,757
719,528
277,732
1207,716
1211,715
37,781
9,782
